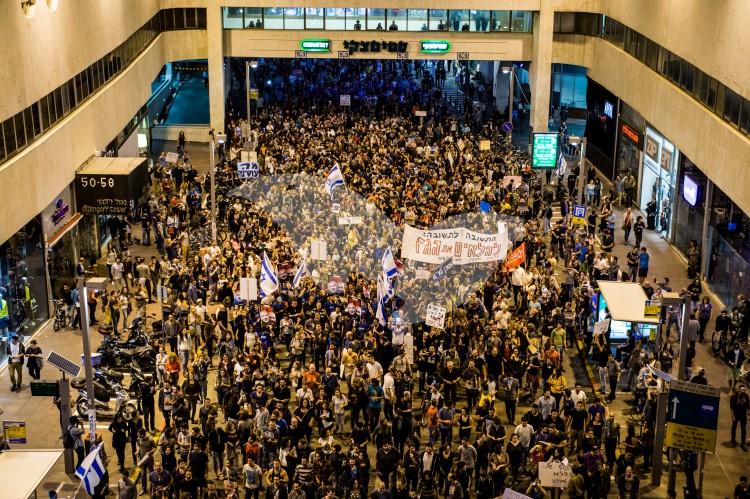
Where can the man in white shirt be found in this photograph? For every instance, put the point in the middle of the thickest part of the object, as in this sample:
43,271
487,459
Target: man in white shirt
118,274
374,369
578,395
389,391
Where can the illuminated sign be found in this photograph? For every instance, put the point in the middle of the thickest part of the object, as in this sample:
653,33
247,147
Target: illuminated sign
544,150
631,134
374,46
315,45
609,109
435,46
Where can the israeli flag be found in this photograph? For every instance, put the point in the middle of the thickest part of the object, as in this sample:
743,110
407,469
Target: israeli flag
335,178
269,281
389,265
383,297
301,272
562,165
92,470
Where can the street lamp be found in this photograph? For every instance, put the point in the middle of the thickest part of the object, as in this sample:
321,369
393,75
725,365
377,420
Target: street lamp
248,97
219,138
100,284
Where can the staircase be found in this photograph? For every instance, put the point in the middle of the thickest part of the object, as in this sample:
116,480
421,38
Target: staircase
455,99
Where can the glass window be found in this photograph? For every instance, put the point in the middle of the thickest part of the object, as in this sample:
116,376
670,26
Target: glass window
10,136
458,20
336,18
376,19
356,19
500,20
179,18
745,116
45,113
417,20
190,19
202,18
438,20
273,18
168,19
20,132
396,19
2,143
71,92
521,21
480,20
652,54
253,17
314,18
687,76
54,112
720,92
28,122
36,123
732,105
294,18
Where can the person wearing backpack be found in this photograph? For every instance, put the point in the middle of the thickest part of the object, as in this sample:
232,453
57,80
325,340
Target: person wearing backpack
73,438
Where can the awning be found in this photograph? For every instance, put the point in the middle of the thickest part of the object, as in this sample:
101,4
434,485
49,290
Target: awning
626,301
54,238
22,471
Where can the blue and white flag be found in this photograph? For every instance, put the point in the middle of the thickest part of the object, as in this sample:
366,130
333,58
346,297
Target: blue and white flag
335,178
389,265
562,165
383,292
269,280
301,272
92,470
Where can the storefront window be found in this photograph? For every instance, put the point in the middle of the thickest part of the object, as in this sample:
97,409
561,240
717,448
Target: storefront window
438,20
658,181
23,283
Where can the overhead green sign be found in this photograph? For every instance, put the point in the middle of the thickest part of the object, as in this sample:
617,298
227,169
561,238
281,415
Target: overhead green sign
315,45
544,150
435,46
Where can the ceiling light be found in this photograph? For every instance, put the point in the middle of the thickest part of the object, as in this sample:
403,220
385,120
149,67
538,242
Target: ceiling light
52,4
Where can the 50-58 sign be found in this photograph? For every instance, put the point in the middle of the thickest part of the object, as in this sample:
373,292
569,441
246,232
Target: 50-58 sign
94,182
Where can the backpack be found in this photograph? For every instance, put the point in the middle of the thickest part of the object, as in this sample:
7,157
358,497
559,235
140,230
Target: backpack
68,440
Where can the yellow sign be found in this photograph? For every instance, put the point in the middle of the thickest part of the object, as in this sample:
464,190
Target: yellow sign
15,432
651,310
253,94
579,221
692,438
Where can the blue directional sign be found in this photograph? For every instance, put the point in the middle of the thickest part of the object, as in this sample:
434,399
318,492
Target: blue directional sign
579,211
692,416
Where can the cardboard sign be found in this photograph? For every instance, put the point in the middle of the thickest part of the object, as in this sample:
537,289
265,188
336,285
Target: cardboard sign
601,327
435,316
172,157
554,474
461,145
248,288
484,145
248,170
345,100
347,220
512,494
420,114
318,249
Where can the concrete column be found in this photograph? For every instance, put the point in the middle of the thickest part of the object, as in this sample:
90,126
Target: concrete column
541,65
216,97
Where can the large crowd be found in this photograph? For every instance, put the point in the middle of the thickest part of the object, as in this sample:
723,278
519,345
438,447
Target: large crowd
307,395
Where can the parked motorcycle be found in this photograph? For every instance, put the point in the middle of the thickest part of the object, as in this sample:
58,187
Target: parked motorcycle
124,405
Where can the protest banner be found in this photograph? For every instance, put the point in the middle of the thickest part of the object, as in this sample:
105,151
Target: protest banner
516,257
435,316
462,245
554,474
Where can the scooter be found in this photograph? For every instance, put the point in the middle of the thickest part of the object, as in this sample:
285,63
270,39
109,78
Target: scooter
124,405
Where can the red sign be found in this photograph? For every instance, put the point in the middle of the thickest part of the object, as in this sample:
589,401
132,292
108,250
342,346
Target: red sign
631,134
516,257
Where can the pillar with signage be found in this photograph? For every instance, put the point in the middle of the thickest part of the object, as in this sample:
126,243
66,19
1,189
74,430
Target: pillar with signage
545,150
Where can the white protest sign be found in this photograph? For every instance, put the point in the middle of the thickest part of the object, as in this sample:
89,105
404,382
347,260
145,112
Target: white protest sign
248,156
248,288
345,100
461,144
463,245
347,220
420,114
172,157
484,145
554,474
435,316
601,327
318,249
512,494
248,170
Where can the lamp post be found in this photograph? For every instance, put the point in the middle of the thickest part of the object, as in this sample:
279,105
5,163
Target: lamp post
510,71
99,283
249,65
219,138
